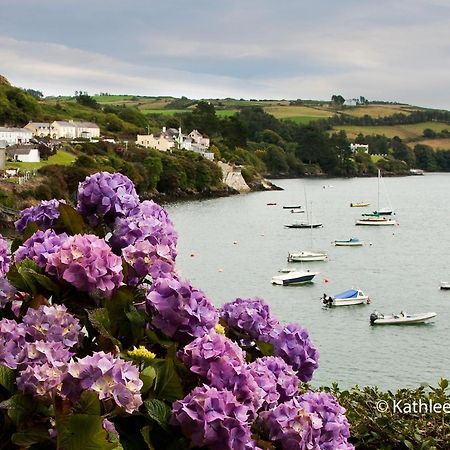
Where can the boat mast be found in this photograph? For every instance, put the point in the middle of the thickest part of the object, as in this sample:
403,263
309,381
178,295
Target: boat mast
378,204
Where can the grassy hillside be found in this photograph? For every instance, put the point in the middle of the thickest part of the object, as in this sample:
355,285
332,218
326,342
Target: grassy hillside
405,132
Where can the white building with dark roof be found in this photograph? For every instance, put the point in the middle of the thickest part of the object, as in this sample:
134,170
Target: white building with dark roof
68,129
40,129
13,136
24,153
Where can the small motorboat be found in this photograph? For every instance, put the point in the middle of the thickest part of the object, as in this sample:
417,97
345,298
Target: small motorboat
292,207
306,255
304,225
359,205
271,204
445,285
288,277
377,318
346,298
352,242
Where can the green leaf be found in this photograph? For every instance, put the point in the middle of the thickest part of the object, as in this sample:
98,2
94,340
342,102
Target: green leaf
265,348
88,404
16,279
99,319
168,384
408,444
19,407
159,411
31,436
70,220
83,432
148,377
145,433
443,383
8,379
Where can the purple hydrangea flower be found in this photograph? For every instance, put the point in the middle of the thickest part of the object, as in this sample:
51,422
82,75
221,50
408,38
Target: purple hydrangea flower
147,222
312,421
39,246
250,316
145,259
39,380
179,310
110,377
213,418
110,428
7,292
276,378
40,352
292,343
44,214
12,341
106,196
211,355
87,262
335,428
53,324
4,257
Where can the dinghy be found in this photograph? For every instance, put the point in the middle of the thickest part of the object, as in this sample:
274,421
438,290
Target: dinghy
377,318
306,255
445,285
353,242
359,205
304,225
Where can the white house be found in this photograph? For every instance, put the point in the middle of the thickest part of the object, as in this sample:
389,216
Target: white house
14,136
40,129
24,153
172,138
64,129
356,147
87,130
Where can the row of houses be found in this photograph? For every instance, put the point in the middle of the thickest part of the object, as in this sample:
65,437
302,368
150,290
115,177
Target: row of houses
64,129
173,139
55,130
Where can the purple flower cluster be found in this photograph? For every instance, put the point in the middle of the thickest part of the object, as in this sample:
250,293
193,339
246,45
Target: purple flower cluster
53,324
250,316
293,344
147,222
179,310
215,419
39,352
39,246
4,257
220,361
312,421
145,259
44,215
12,341
7,292
87,262
106,196
277,380
109,377
39,380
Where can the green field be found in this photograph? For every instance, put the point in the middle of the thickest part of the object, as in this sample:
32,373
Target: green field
405,132
63,158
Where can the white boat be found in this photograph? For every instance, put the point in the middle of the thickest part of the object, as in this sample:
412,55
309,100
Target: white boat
377,318
347,298
304,225
445,285
288,277
297,211
306,255
352,242
375,220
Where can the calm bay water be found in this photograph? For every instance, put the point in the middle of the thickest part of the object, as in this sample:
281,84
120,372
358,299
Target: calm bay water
231,247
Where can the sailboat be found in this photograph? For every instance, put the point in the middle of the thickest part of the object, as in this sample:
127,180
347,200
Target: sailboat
378,217
307,255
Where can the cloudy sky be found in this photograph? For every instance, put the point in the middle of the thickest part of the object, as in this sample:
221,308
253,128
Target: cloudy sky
381,49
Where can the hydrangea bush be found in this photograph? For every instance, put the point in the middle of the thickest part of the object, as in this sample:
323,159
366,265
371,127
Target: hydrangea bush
103,345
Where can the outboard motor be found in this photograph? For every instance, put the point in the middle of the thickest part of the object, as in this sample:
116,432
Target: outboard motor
373,317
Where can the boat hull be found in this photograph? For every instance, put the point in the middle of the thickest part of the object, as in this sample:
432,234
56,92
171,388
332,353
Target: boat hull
306,256
359,205
350,301
304,225
293,278
376,223
404,320
348,244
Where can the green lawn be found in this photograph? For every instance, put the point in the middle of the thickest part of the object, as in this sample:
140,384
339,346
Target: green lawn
62,158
